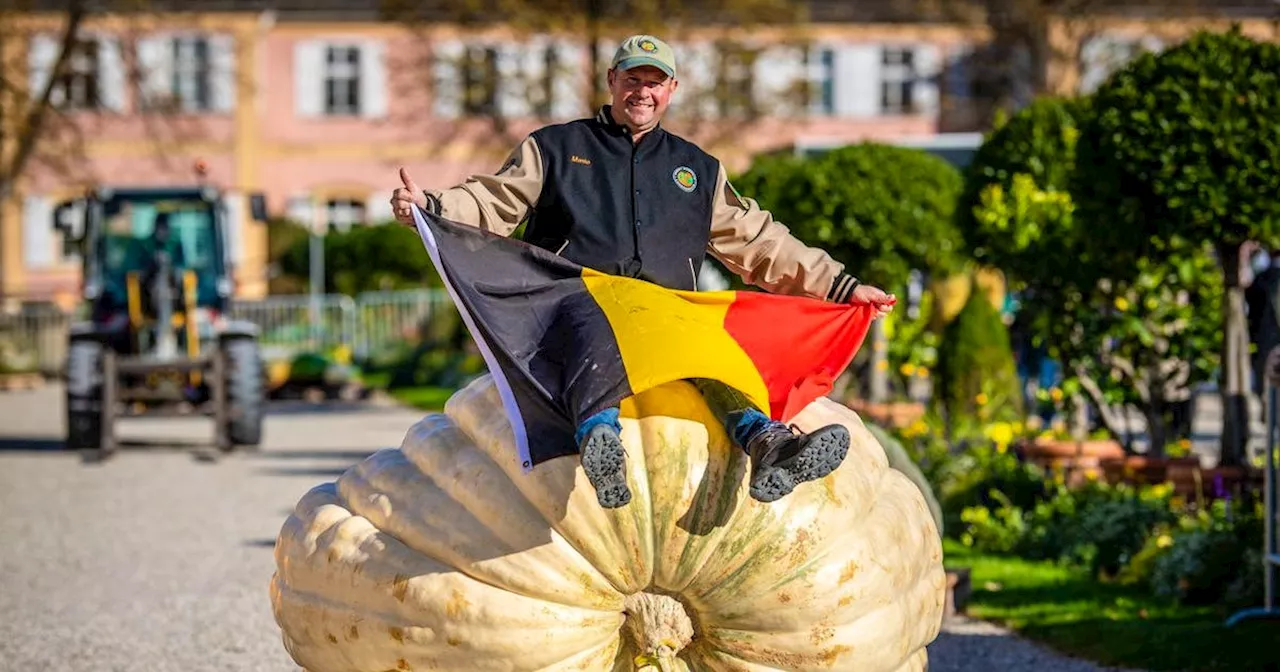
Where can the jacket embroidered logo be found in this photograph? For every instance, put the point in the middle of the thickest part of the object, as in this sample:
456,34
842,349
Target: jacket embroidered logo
685,178
578,159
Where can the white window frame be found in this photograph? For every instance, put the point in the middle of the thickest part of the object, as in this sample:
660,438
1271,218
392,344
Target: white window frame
341,214
81,87
342,77
898,75
192,81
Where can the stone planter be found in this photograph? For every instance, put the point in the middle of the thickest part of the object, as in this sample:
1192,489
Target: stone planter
1080,460
1143,470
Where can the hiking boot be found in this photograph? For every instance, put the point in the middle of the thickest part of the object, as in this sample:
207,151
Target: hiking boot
783,457
606,466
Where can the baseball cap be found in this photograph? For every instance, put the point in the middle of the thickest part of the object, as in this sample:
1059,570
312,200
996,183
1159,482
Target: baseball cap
639,50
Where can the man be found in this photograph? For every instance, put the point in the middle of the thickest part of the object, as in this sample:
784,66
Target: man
619,194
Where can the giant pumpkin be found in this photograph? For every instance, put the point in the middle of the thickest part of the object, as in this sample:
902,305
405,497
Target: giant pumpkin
444,555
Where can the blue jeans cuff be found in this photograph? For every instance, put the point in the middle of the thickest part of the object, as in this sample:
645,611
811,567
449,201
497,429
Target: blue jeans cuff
746,424
608,416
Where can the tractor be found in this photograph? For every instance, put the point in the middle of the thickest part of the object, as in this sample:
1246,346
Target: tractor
158,339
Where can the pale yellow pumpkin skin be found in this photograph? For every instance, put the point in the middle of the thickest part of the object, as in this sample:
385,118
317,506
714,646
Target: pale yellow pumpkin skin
444,555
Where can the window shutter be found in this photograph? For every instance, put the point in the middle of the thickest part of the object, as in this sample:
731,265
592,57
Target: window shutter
155,65
513,98
928,59
43,52
373,80
696,67
37,232
233,207
299,210
446,89
308,78
568,83
857,80
111,75
378,207
779,73
222,77
533,72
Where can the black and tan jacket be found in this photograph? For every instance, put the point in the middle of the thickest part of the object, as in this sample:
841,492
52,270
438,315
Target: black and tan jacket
651,210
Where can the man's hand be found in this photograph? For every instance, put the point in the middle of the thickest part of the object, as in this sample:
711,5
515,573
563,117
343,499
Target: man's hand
404,198
879,299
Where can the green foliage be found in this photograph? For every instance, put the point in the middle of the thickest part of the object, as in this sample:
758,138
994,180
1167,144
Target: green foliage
1185,144
977,375
880,210
1015,212
367,258
1208,556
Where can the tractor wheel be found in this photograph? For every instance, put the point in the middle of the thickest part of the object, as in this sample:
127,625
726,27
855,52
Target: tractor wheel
84,395
245,395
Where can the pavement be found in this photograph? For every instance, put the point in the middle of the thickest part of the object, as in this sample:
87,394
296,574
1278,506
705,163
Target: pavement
158,559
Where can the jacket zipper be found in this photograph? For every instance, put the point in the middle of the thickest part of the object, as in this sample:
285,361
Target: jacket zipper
693,274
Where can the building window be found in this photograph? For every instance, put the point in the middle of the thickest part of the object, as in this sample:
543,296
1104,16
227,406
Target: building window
735,87
78,88
822,80
342,81
191,73
343,213
897,80
544,102
479,70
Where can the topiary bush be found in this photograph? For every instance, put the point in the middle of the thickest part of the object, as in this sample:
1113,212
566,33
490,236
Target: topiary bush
977,375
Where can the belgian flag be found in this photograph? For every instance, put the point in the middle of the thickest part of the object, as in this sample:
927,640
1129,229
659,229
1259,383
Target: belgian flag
563,342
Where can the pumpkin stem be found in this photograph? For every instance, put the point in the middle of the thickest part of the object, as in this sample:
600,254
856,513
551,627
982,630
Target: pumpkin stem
660,627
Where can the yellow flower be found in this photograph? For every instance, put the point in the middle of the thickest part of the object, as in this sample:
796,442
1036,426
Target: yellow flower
1164,541
1151,303
922,371
1122,304
1000,433
1055,394
907,369
981,399
882,365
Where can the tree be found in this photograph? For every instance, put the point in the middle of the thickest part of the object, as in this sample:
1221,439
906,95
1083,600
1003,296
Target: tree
882,211
1184,146
1124,339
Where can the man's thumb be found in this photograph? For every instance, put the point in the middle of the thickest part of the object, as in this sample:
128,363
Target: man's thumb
409,183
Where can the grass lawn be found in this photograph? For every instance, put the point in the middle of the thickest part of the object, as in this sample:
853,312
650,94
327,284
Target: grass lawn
1069,611
424,398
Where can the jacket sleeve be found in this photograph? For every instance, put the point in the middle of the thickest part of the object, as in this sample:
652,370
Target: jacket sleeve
763,252
498,202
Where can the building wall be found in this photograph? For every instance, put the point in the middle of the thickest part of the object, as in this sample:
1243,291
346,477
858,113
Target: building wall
269,131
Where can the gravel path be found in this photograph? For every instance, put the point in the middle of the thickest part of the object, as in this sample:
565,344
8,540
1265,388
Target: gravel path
967,645
158,559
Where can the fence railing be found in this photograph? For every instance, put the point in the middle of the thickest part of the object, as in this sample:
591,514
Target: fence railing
35,340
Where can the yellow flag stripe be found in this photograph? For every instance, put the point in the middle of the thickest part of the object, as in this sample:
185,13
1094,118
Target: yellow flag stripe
665,335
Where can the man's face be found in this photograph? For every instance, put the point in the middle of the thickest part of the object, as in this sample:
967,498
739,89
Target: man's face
641,95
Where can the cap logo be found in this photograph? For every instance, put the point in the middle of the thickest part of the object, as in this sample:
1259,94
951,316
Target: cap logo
647,45
685,178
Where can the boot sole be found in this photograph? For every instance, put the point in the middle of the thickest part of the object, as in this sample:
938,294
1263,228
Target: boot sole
604,461
772,484
819,457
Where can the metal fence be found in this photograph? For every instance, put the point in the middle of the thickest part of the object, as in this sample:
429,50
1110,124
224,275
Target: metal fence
35,338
